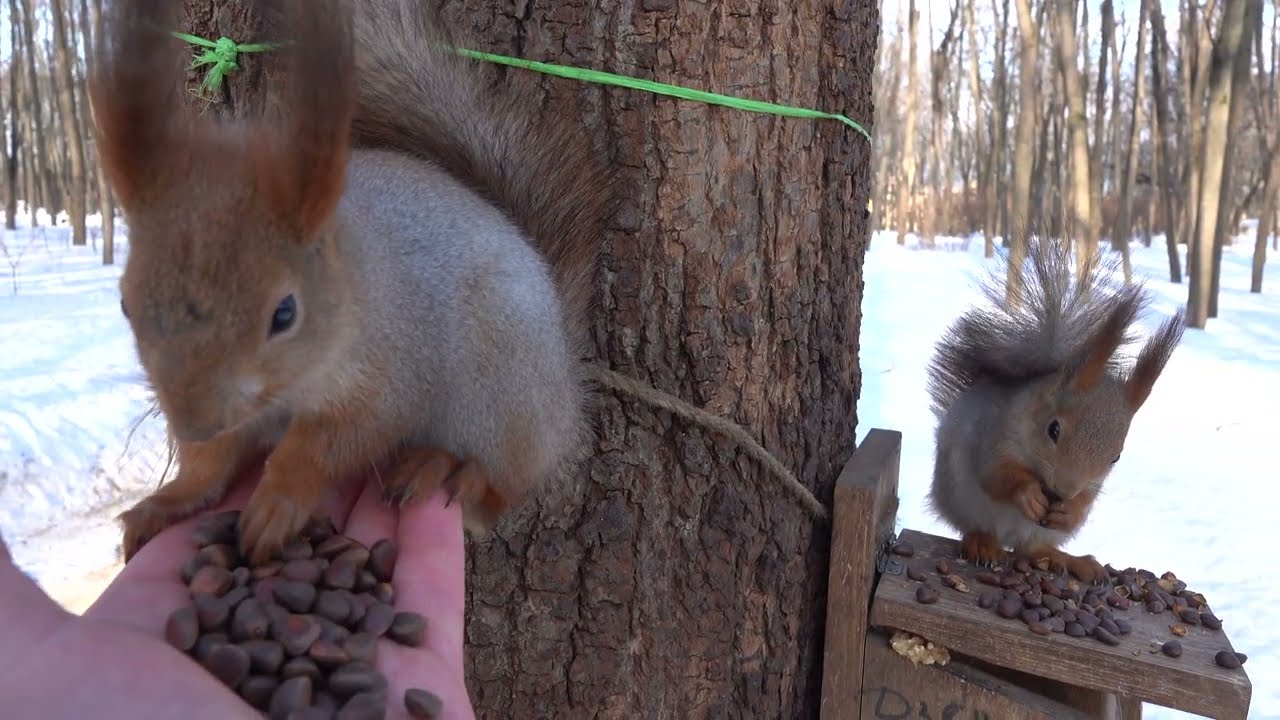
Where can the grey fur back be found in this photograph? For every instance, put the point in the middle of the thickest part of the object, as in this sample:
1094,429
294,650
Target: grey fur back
1041,331
536,164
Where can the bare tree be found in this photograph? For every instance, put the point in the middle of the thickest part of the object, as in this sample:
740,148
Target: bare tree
1024,140
939,62
1217,126
1129,171
906,198
1162,125
1098,148
1227,218
1269,105
10,127
1080,214
71,132
106,202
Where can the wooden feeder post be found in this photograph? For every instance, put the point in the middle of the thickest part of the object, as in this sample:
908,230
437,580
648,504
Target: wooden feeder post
998,669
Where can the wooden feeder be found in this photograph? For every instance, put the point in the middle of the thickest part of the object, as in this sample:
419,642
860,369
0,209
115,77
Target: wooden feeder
997,669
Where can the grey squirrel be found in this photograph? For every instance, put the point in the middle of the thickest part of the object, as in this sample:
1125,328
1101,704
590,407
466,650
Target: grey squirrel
1034,406
394,275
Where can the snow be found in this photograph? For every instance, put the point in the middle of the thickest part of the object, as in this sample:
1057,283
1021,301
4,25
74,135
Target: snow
1190,492
70,392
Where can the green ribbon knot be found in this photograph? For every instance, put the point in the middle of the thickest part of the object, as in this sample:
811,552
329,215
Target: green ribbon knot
222,55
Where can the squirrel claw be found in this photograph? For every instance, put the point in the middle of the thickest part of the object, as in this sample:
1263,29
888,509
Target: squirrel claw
269,520
980,548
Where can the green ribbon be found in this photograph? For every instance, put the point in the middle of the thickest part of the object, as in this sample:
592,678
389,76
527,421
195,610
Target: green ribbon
221,55
605,78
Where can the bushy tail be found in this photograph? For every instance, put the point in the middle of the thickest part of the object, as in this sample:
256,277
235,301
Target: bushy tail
418,97
1059,319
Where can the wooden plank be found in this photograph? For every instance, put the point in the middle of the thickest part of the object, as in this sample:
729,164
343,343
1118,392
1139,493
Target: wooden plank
865,510
1094,703
1192,683
894,688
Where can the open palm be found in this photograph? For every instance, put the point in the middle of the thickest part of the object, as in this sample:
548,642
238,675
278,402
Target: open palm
112,662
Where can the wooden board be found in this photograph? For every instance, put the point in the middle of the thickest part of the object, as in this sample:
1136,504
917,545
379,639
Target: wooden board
865,510
894,688
1192,683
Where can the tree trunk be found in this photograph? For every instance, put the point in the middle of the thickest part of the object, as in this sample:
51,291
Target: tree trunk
1128,174
670,576
990,162
32,110
999,173
1024,140
1217,122
76,191
1162,126
907,174
106,201
1265,226
1226,220
1097,149
14,145
1080,214
939,61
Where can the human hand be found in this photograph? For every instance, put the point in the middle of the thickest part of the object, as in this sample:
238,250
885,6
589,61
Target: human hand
112,662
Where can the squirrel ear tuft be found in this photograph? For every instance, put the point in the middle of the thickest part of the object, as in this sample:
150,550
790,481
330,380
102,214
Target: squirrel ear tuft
305,162
135,84
1152,360
1105,340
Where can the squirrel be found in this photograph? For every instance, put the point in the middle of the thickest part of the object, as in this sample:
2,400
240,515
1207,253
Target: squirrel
396,274
1034,406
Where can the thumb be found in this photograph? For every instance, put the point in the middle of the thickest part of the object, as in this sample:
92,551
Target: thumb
30,613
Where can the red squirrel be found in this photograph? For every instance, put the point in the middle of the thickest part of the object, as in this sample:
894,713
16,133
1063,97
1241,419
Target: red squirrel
1034,406
394,275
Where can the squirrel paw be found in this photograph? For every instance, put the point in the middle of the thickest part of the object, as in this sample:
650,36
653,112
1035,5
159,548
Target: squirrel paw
142,522
1031,501
156,513
272,517
421,472
418,473
1084,567
981,548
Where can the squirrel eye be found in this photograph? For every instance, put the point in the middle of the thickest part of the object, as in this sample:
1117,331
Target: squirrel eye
282,319
124,310
1054,430
1113,462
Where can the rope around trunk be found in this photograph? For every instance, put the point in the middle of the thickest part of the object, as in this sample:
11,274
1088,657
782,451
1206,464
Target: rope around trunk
698,416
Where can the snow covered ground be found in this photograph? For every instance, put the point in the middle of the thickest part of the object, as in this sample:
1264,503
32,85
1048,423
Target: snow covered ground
1189,494
1197,484
70,392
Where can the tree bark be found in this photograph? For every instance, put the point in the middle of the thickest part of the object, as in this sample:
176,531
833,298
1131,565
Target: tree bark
907,175
1217,123
37,168
1162,125
670,576
1129,172
1080,213
1024,140
1226,220
1267,86
13,146
76,192
106,201
1097,149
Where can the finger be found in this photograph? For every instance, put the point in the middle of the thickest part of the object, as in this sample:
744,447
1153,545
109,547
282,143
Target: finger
369,519
21,597
430,572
